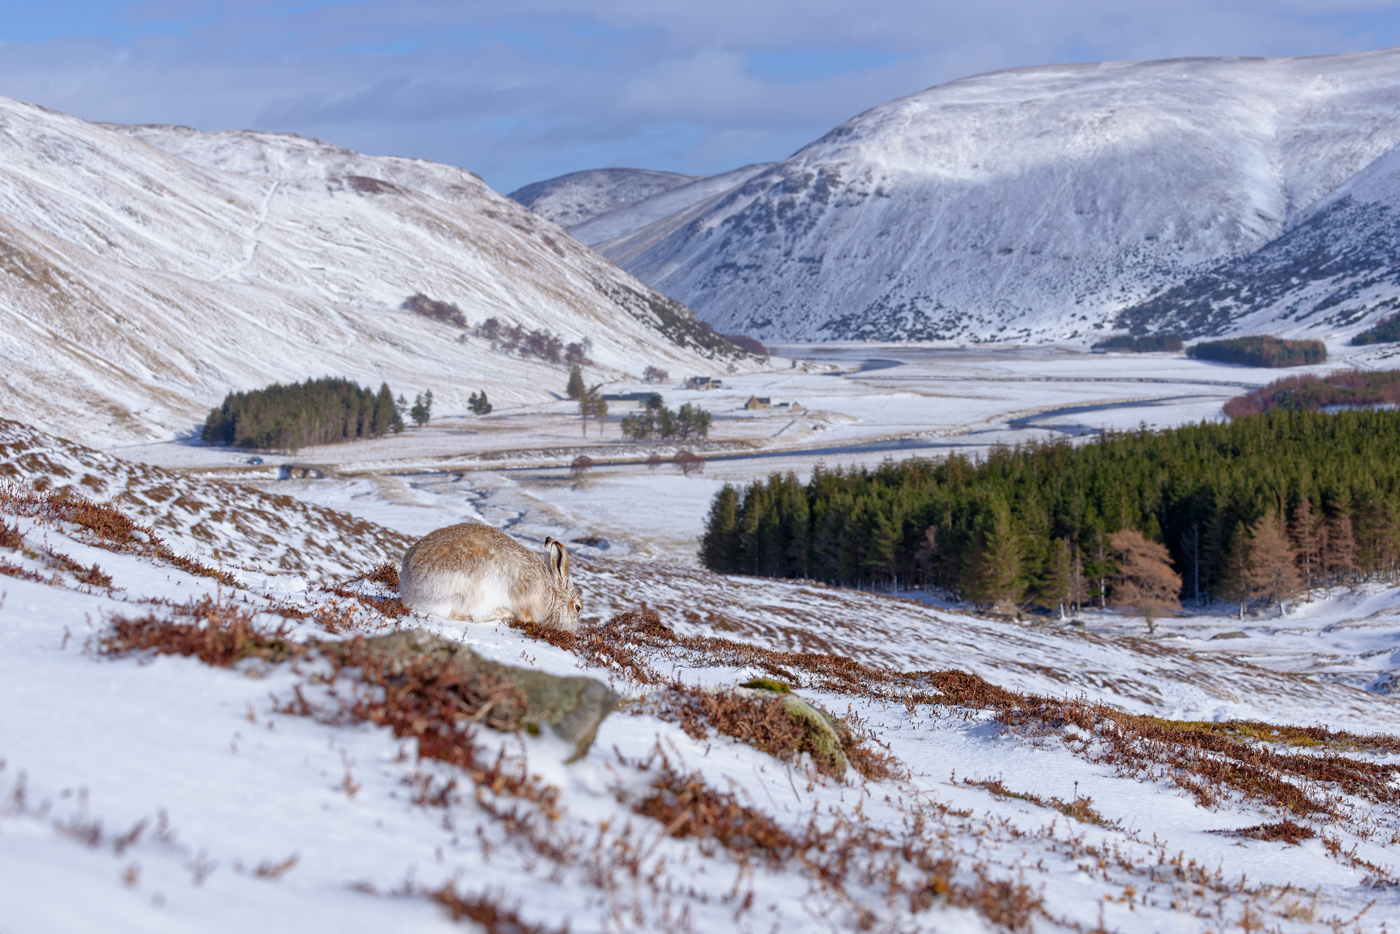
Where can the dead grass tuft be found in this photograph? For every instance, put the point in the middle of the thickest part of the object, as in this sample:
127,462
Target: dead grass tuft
490,915
1080,809
1286,830
1211,761
687,807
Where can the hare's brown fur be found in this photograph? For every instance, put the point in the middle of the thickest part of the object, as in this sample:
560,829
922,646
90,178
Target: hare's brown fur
475,572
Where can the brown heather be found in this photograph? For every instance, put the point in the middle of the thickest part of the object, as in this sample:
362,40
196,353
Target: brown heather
105,526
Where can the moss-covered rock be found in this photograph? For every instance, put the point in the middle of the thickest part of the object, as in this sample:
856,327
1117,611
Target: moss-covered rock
820,731
571,707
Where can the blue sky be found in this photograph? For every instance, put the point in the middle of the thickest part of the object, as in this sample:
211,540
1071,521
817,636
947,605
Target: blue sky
528,89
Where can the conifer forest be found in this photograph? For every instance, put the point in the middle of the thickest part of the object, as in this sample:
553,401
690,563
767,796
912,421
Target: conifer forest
1250,511
320,411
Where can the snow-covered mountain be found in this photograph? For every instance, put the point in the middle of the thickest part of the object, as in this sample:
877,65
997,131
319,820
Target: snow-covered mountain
664,206
1029,204
1330,273
581,196
148,271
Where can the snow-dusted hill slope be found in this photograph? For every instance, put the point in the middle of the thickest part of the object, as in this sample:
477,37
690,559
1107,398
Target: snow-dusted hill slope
666,204
1027,204
165,766
147,271
581,196
1329,275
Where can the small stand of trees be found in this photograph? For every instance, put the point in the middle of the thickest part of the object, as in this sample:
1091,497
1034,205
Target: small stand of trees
541,343
446,313
1349,388
657,421
1386,331
1146,343
319,411
478,403
654,374
1263,351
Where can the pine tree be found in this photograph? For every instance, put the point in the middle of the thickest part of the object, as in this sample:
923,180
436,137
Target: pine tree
1233,583
997,569
575,388
422,409
1078,585
1053,589
718,545
478,403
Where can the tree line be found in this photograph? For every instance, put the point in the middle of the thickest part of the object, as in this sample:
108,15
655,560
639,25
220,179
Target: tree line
1261,350
1246,511
1350,388
320,411
1386,331
1146,343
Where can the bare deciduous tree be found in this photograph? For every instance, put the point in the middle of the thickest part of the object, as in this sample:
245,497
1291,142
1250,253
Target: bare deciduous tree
1145,581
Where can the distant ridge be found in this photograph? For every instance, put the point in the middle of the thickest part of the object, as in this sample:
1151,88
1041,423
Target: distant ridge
572,199
1057,203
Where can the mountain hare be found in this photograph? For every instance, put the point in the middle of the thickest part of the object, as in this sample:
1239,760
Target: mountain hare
475,572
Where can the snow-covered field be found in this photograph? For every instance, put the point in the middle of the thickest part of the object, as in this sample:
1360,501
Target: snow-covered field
989,822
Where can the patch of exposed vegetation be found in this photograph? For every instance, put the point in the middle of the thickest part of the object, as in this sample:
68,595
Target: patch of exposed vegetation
101,525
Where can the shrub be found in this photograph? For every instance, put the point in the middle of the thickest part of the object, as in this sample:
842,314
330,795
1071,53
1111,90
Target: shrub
420,304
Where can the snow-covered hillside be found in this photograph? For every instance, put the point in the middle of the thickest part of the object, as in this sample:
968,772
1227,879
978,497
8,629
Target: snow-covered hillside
148,271
187,747
581,196
1028,204
1330,274
665,206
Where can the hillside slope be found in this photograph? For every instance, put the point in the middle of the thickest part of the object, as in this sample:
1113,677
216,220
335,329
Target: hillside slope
1028,204
147,271
581,196
197,749
1331,273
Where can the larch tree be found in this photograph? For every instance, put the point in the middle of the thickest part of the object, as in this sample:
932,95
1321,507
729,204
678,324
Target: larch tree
1145,581
1272,572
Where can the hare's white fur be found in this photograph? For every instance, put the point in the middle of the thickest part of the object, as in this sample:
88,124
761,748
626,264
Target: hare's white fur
475,572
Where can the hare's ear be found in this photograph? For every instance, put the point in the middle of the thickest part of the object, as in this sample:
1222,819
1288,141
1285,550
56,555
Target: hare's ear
558,560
